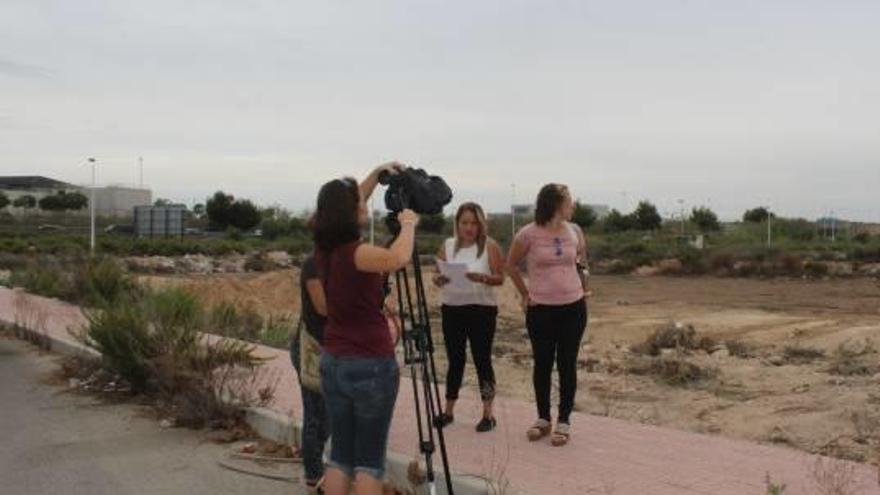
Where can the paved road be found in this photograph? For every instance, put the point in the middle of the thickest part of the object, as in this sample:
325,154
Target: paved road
53,442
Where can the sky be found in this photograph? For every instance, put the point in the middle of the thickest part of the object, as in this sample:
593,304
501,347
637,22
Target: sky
718,103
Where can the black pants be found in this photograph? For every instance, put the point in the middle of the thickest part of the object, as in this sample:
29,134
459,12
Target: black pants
556,333
475,324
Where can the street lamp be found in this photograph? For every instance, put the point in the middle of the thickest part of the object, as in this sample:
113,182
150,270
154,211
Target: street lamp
681,210
92,203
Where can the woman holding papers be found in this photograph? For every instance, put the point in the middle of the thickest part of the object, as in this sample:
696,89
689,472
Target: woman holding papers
471,266
555,251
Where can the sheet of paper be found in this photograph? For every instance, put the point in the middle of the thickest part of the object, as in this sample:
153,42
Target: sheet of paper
456,273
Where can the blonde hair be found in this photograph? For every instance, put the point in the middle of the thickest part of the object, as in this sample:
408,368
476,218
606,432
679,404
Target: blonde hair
483,236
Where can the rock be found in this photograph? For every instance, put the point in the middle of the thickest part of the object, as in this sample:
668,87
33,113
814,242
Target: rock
667,352
195,263
280,259
868,270
776,360
800,389
839,269
73,383
151,264
721,354
837,381
587,348
230,264
670,266
166,424
647,271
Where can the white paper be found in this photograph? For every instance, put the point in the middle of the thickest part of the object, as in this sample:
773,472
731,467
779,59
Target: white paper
456,273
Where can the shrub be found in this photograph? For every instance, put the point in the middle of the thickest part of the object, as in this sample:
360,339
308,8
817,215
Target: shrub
157,345
674,336
798,354
672,371
816,269
102,282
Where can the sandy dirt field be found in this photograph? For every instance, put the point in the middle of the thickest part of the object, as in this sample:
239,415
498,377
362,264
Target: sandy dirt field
807,375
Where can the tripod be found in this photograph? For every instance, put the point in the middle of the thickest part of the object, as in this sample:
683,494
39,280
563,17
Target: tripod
418,352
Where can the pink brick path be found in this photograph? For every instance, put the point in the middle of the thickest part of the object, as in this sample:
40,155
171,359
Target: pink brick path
606,456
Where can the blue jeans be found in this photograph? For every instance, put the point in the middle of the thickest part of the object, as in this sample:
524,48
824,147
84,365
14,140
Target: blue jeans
360,394
315,427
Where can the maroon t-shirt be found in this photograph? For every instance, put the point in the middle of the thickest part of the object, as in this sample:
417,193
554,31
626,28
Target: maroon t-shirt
356,325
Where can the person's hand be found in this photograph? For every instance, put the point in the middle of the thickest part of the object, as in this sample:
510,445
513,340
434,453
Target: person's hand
588,293
408,217
392,168
479,278
441,280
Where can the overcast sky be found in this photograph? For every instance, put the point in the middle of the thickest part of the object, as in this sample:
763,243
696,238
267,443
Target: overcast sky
726,103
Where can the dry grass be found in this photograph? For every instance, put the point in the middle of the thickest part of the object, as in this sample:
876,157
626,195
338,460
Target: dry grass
676,336
833,477
798,354
855,359
675,371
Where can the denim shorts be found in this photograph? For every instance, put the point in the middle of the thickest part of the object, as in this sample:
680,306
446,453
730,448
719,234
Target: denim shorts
360,395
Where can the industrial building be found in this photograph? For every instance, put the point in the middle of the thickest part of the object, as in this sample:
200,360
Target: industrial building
110,201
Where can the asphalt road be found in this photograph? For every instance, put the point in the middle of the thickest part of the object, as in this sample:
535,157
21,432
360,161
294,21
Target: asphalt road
56,442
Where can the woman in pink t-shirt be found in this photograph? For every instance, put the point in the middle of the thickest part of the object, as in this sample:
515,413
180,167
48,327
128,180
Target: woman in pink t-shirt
554,251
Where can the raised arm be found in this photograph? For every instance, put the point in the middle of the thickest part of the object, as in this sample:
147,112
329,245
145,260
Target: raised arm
374,259
368,185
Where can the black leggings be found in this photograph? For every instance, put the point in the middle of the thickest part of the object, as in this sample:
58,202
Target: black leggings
556,333
477,324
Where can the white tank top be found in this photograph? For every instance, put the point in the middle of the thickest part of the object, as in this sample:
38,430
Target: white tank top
475,293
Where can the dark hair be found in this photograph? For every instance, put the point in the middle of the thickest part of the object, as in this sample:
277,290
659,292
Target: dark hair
550,199
477,210
336,218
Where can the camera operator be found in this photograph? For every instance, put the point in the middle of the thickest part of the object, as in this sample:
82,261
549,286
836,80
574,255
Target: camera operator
359,374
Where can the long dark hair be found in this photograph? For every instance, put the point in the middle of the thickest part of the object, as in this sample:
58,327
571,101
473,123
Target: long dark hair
550,199
336,218
477,211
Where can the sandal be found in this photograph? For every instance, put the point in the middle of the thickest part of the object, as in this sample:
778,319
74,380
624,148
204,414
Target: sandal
313,486
561,435
539,430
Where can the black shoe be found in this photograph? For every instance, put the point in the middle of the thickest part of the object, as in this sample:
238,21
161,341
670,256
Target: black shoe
445,419
486,424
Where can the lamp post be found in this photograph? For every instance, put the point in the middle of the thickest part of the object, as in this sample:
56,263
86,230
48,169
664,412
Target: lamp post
92,204
681,212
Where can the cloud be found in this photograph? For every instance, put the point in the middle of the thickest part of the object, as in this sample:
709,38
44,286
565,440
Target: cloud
27,71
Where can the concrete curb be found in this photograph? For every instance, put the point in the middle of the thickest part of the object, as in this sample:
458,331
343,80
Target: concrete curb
283,429
279,428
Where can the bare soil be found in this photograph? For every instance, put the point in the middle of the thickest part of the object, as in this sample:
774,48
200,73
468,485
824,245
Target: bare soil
809,375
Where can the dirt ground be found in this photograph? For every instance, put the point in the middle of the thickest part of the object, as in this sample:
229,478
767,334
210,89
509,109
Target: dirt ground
785,390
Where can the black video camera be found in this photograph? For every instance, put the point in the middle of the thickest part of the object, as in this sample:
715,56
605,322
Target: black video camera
413,188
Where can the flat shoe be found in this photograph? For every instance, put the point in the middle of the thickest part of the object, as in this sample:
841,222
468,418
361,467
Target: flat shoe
486,424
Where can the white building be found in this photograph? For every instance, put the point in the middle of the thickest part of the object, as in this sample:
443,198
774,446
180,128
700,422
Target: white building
110,201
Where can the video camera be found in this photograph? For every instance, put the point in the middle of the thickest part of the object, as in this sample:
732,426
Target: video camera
413,188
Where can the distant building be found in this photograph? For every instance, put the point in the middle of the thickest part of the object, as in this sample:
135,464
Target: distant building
110,201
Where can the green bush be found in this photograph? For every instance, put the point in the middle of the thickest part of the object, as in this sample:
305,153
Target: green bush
44,277
121,333
102,282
